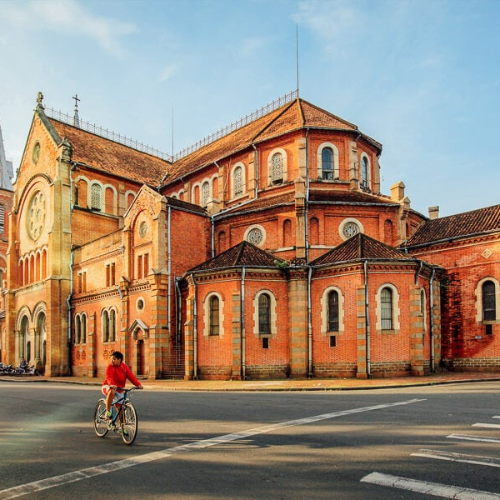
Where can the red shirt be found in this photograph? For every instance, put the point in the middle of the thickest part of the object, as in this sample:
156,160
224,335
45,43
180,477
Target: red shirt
118,375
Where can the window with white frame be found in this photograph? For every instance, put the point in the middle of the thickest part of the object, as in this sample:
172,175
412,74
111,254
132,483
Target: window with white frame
265,314
328,161
277,166
387,302
213,315
238,180
205,193
332,311
96,197
488,302
365,171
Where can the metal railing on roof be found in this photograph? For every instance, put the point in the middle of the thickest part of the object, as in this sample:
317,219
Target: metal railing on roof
107,134
259,113
139,146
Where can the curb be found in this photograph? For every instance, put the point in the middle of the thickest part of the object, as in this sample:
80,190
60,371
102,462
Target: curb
164,385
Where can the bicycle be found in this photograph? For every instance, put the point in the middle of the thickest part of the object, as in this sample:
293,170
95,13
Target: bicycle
125,417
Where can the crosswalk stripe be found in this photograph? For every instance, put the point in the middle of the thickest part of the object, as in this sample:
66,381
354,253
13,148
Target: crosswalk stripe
458,457
487,426
466,437
428,488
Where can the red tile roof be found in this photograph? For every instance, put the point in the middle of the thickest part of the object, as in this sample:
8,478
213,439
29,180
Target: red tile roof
360,247
112,157
476,222
243,254
292,116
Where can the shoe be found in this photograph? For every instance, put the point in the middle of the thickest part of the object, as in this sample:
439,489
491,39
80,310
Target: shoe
124,431
108,415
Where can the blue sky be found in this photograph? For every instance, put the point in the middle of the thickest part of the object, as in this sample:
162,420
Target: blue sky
420,76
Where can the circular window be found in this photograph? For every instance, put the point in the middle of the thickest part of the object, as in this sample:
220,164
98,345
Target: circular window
35,155
140,304
255,236
350,228
36,215
143,229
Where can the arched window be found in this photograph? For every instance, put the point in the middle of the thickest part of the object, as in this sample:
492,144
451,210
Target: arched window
238,181
214,315
83,337
205,193
489,302
105,326
96,197
77,330
327,163
333,311
277,168
264,314
386,308
287,233
112,325
364,172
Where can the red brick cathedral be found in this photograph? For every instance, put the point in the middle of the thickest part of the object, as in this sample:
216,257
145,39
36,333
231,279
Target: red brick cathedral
267,251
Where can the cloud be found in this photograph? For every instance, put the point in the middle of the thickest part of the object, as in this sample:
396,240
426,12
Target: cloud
68,16
168,72
334,22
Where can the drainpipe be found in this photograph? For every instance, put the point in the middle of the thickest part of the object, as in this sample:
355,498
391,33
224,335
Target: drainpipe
256,170
213,235
242,321
195,331
169,270
367,316
309,326
417,274
71,261
431,319
178,316
306,225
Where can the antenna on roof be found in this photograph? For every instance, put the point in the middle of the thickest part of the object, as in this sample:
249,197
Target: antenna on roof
76,118
297,56
172,131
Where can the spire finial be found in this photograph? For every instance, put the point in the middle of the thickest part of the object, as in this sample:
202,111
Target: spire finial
76,119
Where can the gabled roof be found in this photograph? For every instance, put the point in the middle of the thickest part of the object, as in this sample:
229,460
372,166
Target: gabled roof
476,222
112,157
360,247
294,115
243,254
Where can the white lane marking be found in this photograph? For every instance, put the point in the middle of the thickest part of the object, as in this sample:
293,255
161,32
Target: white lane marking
427,488
72,477
489,426
458,457
466,437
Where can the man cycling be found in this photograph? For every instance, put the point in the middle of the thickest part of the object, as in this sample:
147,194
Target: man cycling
115,379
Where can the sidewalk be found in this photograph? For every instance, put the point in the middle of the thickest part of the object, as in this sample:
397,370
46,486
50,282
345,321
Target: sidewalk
314,384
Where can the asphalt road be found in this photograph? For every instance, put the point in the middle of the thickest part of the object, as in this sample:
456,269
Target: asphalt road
412,443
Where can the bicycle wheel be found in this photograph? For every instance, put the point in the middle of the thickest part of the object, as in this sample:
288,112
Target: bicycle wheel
130,423
100,421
